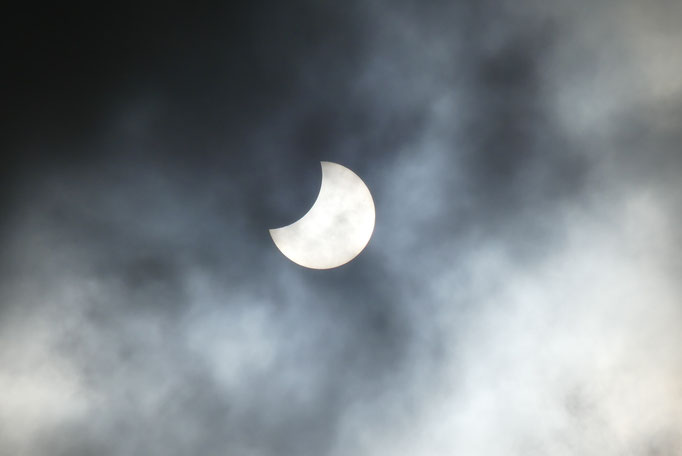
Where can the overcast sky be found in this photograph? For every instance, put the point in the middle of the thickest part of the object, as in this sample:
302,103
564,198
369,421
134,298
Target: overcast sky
520,294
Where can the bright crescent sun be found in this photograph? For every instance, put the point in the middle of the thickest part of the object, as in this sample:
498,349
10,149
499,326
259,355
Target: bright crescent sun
336,228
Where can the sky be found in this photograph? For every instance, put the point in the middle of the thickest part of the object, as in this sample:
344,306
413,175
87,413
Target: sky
520,294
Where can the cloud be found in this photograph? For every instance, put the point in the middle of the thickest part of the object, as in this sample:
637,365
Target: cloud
518,296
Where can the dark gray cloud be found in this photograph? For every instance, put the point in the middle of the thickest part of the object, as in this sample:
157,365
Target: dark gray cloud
519,294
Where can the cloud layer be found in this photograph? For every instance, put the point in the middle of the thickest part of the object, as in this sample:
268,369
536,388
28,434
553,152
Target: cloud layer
519,295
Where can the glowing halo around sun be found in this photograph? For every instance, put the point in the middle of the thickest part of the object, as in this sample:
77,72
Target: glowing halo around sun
336,228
